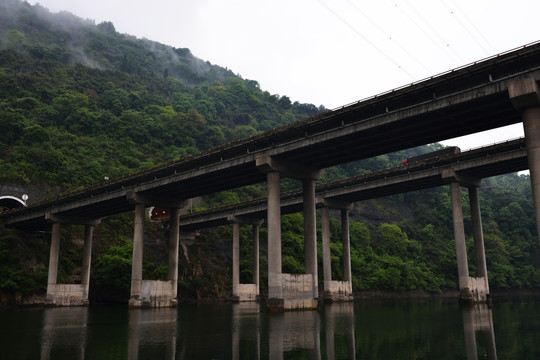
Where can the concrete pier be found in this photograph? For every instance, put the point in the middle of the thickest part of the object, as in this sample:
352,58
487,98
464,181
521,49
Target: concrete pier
471,289
87,260
525,97
310,234
174,243
69,294
137,258
336,290
236,260
288,291
154,293
256,270
53,264
245,292
275,289
481,288
465,293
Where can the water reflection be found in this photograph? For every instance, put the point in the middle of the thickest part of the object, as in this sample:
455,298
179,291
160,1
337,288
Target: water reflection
478,318
292,331
339,322
376,329
152,333
246,323
64,332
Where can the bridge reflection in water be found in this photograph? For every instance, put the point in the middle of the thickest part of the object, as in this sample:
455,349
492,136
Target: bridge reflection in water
478,318
238,331
66,327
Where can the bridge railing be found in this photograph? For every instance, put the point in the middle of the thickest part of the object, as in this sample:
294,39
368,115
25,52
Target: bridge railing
436,76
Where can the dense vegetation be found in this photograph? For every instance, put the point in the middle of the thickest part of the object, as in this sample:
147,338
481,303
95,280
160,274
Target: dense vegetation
80,102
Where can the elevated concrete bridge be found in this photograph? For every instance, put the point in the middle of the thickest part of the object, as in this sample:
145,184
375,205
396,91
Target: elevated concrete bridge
495,92
497,159
460,102
467,168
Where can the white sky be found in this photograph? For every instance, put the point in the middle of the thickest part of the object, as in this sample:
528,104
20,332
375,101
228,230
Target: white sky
328,52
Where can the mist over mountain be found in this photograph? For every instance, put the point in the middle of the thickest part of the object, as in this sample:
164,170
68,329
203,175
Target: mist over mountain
70,39
100,103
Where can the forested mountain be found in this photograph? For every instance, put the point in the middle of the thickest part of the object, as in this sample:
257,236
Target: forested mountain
80,102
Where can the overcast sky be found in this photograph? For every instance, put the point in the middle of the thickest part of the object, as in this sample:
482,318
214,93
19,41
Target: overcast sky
328,52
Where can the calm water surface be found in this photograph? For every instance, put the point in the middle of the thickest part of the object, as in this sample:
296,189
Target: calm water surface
365,329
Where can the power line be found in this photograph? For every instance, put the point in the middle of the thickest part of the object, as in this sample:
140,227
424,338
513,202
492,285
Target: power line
388,36
471,35
446,48
471,23
365,39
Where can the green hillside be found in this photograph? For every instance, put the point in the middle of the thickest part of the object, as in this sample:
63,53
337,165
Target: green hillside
80,102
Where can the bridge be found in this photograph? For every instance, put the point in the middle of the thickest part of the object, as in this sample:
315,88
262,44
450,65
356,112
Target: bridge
495,92
488,161
468,167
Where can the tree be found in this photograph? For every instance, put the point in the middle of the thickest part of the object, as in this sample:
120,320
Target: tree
391,240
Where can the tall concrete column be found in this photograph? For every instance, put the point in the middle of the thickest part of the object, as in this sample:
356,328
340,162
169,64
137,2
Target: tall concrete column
336,290
87,259
525,96
53,261
310,233
476,219
459,235
274,236
325,227
531,126
345,239
174,242
236,259
138,245
256,274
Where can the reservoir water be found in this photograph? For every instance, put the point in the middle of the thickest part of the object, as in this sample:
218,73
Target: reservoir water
365,329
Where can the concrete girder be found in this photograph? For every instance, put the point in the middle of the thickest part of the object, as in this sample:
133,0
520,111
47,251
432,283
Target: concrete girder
74,220
137,198
524,93
450,175
266,163
244,220
334,204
